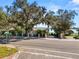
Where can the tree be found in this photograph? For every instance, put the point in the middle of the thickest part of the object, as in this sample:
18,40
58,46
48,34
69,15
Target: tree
25,15
48,19
64,22
4,24
3,20
77,29
41,33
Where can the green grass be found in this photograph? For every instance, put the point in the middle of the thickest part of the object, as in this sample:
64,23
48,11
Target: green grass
69,37
6,51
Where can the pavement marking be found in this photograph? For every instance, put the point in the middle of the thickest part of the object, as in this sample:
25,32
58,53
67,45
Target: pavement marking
51,51
47,55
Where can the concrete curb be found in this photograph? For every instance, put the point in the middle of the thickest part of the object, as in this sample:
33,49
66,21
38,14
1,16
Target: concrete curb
61,39
14,56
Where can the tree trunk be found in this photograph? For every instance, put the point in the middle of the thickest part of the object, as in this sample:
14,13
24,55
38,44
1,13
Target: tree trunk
22,34
16,34
7,39
62,35
38,35
28,35
46,35
48,31
78,33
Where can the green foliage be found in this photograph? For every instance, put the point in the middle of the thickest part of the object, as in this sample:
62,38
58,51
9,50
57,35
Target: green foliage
77,29
3,20
64,21
26,16
68,33
76,37
6,51
41,32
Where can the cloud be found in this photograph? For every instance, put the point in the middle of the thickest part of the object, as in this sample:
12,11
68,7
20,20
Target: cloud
75,1
54,7
76,9
73,5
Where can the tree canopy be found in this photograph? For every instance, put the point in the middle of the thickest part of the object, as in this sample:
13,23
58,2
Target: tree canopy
26,16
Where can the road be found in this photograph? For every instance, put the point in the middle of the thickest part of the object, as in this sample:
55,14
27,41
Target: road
47,49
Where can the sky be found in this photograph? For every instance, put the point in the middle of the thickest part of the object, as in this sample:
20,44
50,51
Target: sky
53,5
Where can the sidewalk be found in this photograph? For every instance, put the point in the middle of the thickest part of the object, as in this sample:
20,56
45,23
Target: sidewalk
61,39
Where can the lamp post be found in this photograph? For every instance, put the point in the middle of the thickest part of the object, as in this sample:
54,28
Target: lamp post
7,37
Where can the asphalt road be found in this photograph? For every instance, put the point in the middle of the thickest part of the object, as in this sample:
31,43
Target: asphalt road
47,49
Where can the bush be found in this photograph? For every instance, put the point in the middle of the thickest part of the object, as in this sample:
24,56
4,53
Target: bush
41,32
52,34
76,37
6,51
2,37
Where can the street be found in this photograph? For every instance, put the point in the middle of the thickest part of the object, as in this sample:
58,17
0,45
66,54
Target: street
47,49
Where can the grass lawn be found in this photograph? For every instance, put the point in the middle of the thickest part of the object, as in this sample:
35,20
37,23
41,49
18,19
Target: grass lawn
7,51
69,37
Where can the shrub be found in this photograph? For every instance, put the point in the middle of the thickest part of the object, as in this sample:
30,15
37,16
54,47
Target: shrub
41,32
6,51
76,37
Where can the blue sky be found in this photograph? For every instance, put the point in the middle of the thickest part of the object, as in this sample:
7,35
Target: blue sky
53,5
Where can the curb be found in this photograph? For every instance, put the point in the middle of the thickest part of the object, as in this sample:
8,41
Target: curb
61,39
14,56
